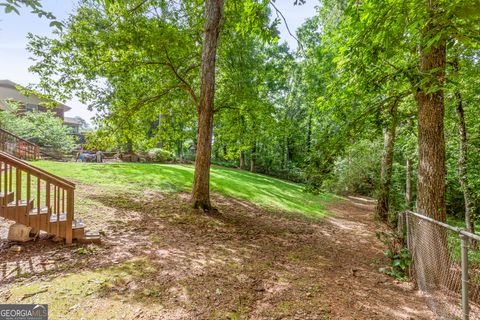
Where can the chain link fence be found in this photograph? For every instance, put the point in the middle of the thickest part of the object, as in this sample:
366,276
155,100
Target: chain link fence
445,265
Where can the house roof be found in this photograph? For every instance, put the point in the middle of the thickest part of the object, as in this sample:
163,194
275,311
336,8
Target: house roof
9,91
74,122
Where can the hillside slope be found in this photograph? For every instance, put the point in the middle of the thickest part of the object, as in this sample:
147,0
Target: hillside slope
259,189
160,259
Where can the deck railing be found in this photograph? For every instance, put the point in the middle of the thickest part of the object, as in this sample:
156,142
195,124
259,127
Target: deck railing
18,146
36,198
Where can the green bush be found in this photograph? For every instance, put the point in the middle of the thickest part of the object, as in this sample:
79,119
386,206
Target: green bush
357,172
42,128
160,155
400,257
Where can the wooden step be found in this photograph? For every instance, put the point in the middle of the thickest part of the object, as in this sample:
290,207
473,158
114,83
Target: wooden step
35,211
6,197
19,203
48,223
57,225
39,221
17,211
60,216
90,237
21,176
78,229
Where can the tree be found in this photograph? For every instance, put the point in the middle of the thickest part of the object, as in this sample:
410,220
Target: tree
463,158
132,67
382,207
431,109
201,183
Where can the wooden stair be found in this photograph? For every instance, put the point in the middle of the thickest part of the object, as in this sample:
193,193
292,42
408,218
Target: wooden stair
18,147
38,199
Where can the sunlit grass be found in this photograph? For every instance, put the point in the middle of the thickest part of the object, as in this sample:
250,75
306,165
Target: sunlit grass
259,189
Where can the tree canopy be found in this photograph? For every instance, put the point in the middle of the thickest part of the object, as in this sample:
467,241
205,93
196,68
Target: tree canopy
345,111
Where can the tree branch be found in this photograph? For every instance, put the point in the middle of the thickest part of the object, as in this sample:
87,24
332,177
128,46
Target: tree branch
279,13
186,85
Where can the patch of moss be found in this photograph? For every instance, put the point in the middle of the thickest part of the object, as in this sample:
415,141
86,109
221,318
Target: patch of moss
93,294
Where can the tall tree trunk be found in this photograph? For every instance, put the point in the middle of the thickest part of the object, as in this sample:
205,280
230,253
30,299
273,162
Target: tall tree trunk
386,167
431,141
180,149
201,183
129,145
180,143
408,185
160,120
431,152
253,162
242,160
225,151
462,161
309,133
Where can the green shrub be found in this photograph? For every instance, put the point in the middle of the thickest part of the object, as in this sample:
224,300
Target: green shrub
357,172
42,128
160,155
400,257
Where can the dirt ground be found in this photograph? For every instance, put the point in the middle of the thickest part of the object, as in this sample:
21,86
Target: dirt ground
161,260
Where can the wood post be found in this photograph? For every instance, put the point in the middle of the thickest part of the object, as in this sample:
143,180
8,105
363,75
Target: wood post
70,214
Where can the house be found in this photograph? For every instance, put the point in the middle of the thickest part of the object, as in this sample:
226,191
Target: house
74,124
31,103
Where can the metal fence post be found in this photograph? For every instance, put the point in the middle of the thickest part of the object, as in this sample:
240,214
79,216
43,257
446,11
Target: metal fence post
402,224
409,245
407,223
465,282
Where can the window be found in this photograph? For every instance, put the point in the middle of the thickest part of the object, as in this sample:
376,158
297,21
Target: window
31,108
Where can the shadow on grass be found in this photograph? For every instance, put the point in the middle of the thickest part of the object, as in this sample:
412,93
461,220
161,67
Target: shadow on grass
165,260
170,256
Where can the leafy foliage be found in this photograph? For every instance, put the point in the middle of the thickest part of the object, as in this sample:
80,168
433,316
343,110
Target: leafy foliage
357,171
400,262
36,8
160,155
42,128
400,257
316,115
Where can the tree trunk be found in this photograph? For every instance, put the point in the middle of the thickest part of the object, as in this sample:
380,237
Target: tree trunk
408,185
431,141
431,154
242,160
201,183
386,167
462,161
129,145
253,162
309,133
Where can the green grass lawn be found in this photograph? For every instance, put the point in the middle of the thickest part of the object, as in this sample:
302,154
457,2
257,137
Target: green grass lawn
259,189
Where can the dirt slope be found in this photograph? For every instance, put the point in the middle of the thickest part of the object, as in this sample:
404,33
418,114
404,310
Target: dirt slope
161,260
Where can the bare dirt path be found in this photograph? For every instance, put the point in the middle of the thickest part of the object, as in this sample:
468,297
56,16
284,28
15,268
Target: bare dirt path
161,260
